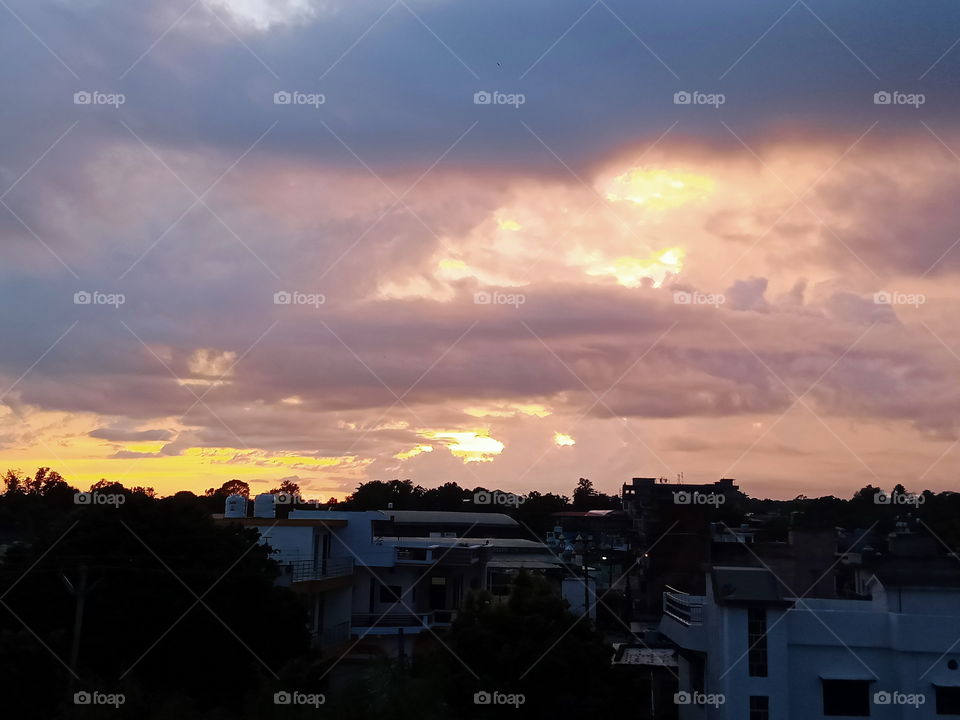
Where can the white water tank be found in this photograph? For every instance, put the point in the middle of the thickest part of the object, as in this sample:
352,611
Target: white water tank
265,505
236,507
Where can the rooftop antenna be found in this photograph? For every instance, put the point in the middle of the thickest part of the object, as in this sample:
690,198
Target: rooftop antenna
680,478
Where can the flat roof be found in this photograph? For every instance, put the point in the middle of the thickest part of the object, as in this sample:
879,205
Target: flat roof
509,543
745,584
282,522
449,517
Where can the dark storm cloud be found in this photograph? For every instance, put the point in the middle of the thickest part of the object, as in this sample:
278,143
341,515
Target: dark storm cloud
399,95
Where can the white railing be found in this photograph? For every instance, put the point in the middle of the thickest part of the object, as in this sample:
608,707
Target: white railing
686,609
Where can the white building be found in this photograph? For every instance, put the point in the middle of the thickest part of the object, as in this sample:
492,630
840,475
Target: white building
748,652
364,583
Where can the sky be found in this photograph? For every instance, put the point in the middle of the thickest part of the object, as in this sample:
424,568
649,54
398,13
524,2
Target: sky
502,244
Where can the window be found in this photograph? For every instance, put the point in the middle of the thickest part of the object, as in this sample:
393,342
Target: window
846,697
390,593
759,707
757,642
948,700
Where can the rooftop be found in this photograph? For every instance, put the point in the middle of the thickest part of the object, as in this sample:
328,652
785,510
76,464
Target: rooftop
445,517
745,585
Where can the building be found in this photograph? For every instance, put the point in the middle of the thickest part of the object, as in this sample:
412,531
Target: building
673,532
383,576
748,648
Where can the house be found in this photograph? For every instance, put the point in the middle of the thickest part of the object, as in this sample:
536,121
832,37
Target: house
381,576
749,648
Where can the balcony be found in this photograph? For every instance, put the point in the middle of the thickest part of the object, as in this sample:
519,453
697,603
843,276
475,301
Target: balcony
685,609
392,623
302,571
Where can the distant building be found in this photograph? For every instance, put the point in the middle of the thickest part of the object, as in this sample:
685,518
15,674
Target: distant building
673,531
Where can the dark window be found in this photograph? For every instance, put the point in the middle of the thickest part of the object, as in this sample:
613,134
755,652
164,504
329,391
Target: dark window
390,593
759,707
757,641
948,701
846,697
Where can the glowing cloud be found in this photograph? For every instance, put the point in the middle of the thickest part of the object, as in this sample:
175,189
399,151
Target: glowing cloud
509,410
211,366
632,271
562,440
511,225
413,452
261,15
470,446
659,189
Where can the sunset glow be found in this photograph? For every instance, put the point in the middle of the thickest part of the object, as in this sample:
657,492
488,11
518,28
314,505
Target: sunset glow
470,446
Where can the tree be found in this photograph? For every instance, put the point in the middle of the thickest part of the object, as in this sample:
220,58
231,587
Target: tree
43,482
379,495
287,486
230,487
530,644
146,561
585,497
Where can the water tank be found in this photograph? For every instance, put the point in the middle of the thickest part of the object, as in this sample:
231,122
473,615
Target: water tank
236,507
265,505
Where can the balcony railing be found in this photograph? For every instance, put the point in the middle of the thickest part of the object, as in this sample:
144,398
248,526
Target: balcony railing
307,570
400,619
686,609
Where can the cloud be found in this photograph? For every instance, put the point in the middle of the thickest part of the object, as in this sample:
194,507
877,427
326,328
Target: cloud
123,435
402,202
